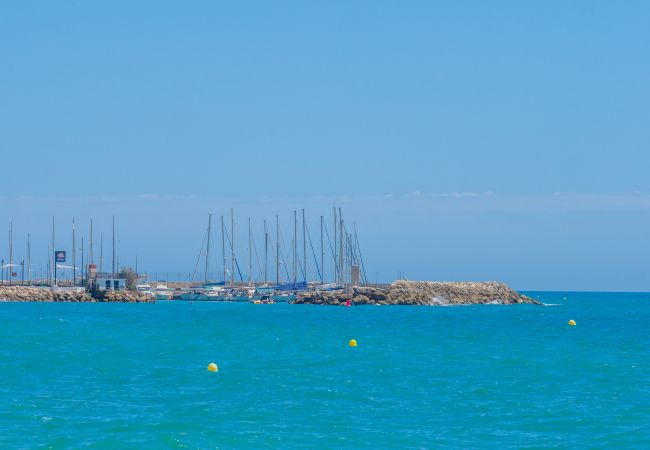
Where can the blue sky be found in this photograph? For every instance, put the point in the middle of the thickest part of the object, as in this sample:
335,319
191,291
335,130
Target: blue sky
467,140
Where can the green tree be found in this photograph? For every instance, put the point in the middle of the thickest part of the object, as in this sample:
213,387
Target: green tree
131,278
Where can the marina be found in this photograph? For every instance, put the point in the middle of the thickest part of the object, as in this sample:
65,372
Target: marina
279,270
323,269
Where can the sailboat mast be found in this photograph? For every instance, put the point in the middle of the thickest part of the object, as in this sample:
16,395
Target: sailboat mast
207,251
295,247
232,247
277,250
364,278
90,253
74,256
29,257
113,264
266,253
11,251
322,253
223,249
82,260
336,259
341,256
304,243
53,253
250,254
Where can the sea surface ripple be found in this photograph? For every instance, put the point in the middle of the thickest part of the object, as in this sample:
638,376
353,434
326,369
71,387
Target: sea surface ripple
134,375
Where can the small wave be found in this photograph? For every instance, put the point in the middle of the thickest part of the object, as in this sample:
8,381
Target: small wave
551,304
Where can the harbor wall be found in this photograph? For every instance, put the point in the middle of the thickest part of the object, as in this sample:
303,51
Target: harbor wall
421,293
398,293
33,294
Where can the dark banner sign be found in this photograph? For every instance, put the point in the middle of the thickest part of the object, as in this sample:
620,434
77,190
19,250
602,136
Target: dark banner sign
59,256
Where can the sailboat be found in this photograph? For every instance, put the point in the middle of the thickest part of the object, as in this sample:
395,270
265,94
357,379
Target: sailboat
208,292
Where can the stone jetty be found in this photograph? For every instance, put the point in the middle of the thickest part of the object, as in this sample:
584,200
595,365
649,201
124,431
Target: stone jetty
35,294
421,293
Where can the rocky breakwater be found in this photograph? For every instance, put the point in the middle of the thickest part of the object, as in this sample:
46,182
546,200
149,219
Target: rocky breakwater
124,297
421,293
33,294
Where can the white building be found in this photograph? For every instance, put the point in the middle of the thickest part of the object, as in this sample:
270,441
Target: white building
110,284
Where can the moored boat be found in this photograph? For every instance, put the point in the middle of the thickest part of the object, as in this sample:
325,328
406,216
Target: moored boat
145,289
239,295
162,292
263,300
284,297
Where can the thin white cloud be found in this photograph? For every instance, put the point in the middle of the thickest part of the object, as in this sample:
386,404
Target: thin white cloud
465,200
147,197
466,194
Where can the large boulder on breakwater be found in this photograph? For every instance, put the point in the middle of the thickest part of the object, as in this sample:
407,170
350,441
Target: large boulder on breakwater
421,293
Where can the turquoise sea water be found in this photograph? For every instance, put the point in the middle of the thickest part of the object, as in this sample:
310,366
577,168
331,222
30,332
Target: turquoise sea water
134,375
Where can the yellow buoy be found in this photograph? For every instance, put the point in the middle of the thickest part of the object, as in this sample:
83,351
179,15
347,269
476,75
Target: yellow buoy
572,323
212,367
352,343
